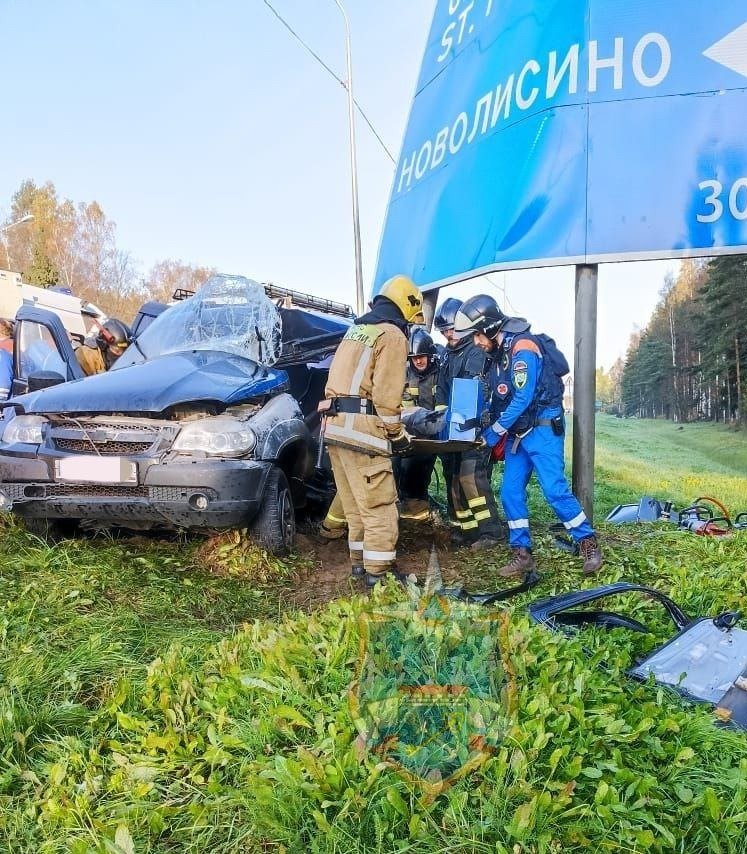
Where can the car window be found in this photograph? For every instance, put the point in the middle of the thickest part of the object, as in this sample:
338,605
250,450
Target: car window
229,313
37,351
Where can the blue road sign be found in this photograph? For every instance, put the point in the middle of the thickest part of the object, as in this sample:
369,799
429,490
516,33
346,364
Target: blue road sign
571,131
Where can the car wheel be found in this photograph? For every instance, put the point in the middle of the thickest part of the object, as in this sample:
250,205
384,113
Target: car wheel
274,527
51,530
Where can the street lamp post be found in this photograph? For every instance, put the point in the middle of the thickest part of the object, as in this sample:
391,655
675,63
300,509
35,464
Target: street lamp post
353,163
26,218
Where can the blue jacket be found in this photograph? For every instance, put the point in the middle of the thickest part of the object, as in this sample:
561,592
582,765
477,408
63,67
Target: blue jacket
521,384
6,374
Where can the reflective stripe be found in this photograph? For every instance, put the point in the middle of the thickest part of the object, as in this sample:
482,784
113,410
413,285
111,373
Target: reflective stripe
356,436
355,383
477,502
469,526
576,521
390,419
414,391
367,555
334,518
483,514
463,514
355,546
441,407
516,524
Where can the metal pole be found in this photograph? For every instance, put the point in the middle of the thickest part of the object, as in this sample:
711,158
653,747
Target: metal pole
430,300
6,228
353,164
584,386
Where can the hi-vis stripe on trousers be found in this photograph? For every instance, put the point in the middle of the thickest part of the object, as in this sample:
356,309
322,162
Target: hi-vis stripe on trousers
365,485
475,507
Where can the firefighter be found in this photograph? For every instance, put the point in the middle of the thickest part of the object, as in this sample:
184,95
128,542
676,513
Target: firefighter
528,407
363,427
414,472
334,525
472,506
443,320
97,355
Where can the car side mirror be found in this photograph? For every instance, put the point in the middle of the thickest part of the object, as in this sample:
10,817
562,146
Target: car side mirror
44,379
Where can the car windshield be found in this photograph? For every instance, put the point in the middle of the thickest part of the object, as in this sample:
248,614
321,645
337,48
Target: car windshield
229,313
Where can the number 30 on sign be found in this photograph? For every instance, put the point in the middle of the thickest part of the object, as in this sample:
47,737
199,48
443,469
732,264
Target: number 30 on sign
718,198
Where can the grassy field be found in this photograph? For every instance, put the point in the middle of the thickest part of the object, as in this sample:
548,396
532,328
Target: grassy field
162,697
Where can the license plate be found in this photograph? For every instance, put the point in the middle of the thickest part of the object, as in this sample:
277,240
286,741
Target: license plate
96,469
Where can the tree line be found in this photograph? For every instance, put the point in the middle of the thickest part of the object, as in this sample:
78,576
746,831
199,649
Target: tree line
58,242
690,362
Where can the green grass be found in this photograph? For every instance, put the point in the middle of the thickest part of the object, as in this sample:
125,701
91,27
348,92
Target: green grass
148,704
669,461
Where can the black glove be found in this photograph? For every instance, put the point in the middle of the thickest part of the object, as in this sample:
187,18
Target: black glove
400,443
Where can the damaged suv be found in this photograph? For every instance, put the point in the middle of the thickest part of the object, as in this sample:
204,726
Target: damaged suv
206,421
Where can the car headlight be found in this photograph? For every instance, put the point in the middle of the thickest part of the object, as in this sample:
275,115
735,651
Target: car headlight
24,429
221,436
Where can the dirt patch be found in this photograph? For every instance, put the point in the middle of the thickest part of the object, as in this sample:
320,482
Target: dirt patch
326,572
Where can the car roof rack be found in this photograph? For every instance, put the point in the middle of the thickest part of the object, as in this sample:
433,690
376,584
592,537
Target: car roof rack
296,299
289,299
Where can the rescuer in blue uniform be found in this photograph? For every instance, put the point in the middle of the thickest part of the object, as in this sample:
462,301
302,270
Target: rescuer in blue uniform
527,403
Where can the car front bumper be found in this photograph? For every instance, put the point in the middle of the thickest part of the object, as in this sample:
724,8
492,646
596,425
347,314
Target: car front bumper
190,493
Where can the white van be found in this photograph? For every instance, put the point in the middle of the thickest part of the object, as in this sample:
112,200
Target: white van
77,316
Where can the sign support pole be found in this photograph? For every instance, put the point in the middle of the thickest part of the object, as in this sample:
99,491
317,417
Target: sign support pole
429,307
584,386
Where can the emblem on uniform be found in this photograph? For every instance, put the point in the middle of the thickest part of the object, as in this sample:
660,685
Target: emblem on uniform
520,374
502,389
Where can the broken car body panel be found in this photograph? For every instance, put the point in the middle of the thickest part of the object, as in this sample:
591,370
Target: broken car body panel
706,661
202,376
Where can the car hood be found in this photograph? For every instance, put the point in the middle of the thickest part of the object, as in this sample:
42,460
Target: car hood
154,386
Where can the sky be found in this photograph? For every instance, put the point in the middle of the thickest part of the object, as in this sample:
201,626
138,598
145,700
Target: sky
209,135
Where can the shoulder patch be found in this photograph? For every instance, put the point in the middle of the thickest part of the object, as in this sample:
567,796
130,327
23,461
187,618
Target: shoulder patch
527,345
365,334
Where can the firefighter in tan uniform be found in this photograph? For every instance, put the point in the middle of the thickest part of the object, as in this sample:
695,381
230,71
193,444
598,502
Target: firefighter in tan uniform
334,525
97,355
363,427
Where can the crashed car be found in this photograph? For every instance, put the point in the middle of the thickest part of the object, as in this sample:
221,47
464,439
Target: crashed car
206,421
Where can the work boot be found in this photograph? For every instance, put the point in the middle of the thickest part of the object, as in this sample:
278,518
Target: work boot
520,564
591,552
372,580
357,571
415,510
331,533
324,535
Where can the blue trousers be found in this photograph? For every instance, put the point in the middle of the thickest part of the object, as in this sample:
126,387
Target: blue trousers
540,451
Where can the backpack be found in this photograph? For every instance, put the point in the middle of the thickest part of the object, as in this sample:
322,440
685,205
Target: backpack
555,358
550,386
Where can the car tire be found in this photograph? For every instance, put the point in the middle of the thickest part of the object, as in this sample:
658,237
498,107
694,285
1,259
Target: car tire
274,527
51,530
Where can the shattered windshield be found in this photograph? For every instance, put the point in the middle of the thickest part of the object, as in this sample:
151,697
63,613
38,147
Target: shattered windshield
229,313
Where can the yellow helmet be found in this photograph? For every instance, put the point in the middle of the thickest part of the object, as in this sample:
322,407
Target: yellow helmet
403,292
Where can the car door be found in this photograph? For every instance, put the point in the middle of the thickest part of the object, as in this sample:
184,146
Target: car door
41,345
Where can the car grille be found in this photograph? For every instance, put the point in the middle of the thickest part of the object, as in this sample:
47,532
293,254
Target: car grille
125,426
106,438
20,491
105,449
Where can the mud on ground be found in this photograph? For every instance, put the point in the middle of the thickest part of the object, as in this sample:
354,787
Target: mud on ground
326,567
